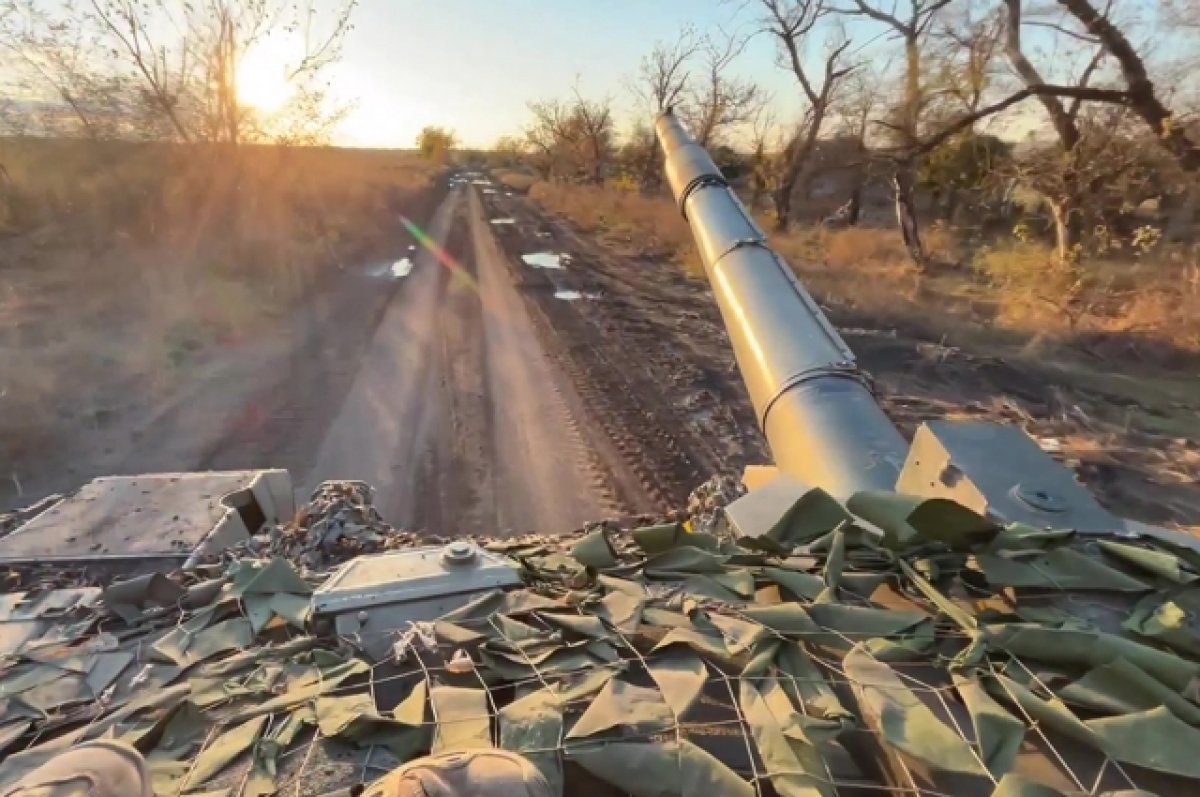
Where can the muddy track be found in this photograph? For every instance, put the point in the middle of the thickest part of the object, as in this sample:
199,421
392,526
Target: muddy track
472,399
646,355
457,415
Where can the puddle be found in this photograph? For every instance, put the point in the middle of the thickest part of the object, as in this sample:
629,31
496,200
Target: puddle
568,295
546,260
401,268
508,193
397,270
504,221
481,182
412,247
489,190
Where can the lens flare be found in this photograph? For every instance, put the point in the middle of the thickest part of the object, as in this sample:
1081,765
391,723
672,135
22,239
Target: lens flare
439,253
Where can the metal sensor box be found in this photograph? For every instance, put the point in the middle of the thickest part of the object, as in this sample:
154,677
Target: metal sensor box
373,594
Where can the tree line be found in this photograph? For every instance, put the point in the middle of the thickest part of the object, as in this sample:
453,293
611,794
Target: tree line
912,92
167,70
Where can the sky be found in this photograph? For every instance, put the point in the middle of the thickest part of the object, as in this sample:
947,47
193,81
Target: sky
472,65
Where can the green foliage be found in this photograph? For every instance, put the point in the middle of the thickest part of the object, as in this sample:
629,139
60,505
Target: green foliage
964,162
436,143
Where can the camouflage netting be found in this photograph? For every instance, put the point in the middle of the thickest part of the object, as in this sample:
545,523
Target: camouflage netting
888,645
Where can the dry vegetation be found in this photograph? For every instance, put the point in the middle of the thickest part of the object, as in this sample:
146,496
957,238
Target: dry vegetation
1139,303
1083,234
124,266
158,233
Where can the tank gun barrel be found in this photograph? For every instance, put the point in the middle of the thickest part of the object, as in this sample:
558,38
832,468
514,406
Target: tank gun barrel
813,402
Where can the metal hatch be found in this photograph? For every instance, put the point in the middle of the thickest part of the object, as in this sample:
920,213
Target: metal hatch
373,594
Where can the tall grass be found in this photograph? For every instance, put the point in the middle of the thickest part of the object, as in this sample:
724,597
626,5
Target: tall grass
1150,295
647,226
129,262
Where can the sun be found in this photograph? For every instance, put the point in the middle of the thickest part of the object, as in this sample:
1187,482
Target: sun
262,76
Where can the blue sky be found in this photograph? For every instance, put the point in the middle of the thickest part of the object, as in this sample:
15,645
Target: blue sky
474,64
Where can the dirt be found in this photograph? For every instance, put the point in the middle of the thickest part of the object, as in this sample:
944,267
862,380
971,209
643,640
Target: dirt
456,416
478,402
1128,429
473,404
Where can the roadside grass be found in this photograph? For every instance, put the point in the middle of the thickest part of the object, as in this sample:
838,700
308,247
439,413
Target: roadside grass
641,226
1139,303
517,181
125,264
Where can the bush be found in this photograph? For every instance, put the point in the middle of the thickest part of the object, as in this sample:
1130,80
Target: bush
517,181
649,226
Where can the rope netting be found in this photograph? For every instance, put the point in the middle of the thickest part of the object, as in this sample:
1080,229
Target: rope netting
860,760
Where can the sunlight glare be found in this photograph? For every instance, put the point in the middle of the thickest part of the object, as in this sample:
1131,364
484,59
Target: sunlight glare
262,79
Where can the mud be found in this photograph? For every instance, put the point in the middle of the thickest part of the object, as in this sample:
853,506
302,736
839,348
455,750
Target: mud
646,353
650,354
482,395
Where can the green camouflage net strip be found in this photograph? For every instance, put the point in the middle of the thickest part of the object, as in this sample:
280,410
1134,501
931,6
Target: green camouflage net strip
889,646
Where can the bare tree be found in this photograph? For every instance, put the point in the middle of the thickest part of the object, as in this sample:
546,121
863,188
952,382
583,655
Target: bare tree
717,101
962,68
764,143
792,23
185,60
912,28
572,139
1141,95
1066,194
661,83
857,103
663,74
965,49
593,123
639,156
55,55
166,74
547,135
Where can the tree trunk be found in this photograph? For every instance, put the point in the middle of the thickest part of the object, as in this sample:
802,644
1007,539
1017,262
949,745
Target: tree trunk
796,164
1068,228
1143,100
651,172
906,215
951,203
783,201
854,206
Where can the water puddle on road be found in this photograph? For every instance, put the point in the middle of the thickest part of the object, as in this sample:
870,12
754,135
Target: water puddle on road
397,270
504,221
568,295
546,260
489,190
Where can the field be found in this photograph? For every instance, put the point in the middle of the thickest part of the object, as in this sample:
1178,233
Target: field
130,272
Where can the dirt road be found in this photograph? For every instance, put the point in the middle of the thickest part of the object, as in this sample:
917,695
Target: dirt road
477,393
480,394
456,415
473,400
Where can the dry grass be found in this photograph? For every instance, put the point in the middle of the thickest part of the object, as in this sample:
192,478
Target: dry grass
645,226
123,265
1150,298
517,181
